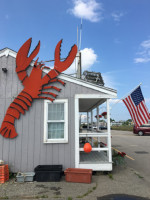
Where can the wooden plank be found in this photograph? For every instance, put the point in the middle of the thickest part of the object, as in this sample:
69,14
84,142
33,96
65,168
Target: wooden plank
37,125
31,135
72,131
45,149
25,132
3,77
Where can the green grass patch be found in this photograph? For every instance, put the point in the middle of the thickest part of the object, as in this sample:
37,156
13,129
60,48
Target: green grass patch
110,176
122,128
69,198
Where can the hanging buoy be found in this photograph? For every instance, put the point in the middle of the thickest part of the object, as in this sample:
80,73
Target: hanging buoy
87,148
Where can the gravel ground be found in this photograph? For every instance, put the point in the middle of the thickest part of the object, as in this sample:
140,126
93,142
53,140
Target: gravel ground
123,180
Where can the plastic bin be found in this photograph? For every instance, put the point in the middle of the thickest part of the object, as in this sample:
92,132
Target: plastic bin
48,173
77,175
25,177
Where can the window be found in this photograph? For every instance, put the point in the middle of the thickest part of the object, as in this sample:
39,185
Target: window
56,121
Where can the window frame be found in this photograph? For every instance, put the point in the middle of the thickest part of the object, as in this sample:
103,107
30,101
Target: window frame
59,140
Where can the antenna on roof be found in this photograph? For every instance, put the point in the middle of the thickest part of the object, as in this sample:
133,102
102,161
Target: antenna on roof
80,35
79,70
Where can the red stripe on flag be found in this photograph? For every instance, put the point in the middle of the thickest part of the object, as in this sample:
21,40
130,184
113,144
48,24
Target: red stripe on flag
143,113
139,110
130,109
145,109
134,110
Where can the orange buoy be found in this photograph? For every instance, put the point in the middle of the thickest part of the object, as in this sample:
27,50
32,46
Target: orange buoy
87,148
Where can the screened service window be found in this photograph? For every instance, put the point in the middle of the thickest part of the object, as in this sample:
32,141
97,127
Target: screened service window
56,121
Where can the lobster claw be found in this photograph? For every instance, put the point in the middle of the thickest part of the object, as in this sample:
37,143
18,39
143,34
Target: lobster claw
22,59
61,66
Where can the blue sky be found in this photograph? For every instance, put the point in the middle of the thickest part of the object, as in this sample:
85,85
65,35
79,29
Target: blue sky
115,37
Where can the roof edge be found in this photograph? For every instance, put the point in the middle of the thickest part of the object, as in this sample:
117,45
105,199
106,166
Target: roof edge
8,52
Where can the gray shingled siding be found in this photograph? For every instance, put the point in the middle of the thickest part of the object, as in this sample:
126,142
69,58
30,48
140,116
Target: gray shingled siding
27,150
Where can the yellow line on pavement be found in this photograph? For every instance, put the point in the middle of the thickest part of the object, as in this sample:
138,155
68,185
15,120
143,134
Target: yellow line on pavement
125,155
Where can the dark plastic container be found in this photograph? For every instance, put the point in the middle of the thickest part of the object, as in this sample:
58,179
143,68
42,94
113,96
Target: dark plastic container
48,173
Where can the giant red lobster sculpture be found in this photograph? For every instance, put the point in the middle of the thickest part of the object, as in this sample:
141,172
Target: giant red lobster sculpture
33,84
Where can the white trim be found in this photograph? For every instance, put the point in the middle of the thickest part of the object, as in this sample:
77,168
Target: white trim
7,51
65,139
94,96
97,167
105,166
77,133
109,131
96,149
94,134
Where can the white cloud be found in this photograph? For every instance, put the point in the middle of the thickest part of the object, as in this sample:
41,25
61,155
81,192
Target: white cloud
87,9
144,53
109,80
115,101
88,59
117,16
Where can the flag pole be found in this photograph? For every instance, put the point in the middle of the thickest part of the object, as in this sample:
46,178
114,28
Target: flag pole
126,95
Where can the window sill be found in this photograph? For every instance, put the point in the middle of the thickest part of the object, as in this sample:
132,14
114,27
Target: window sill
55,141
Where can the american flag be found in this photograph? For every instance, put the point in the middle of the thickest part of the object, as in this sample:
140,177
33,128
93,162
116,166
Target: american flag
135,103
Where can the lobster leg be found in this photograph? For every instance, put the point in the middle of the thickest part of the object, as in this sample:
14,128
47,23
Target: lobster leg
52,87
50,99
50,93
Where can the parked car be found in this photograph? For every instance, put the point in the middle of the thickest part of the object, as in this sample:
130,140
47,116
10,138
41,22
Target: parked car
102,128
143,129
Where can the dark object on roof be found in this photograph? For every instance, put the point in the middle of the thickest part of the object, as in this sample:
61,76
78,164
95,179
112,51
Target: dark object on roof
93,77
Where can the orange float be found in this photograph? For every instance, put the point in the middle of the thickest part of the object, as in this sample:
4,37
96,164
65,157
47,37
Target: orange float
87,148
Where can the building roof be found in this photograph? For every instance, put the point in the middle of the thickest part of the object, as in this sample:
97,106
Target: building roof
9,52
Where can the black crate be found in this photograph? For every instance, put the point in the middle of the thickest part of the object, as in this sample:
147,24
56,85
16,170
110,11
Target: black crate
48,168
48,173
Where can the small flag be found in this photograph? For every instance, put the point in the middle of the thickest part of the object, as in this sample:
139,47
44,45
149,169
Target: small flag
135,103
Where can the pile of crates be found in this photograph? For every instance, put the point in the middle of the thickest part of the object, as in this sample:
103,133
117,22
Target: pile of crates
4,173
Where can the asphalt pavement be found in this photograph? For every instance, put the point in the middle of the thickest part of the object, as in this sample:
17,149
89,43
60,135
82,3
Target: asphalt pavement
137,148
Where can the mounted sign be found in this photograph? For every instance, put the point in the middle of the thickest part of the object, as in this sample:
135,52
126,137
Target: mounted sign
33,84
93,77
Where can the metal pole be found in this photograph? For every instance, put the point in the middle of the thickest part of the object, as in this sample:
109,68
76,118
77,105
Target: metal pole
79,71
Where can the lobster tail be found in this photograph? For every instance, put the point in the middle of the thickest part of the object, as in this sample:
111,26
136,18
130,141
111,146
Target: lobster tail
18,106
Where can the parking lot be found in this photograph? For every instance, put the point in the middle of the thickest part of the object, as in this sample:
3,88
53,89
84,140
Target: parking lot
137,149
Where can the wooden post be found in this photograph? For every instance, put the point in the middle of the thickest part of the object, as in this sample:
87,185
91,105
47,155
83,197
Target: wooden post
92,125
109,132
98,125
88,120
92,120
